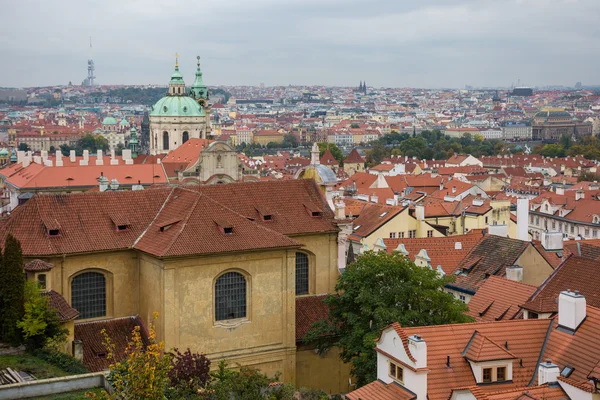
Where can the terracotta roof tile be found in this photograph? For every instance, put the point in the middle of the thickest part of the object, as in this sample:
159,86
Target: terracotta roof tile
328,159
499,298
354,157
309,309
64,310
576,273
118,330
481,348
379,390
543,392
372,217
38,265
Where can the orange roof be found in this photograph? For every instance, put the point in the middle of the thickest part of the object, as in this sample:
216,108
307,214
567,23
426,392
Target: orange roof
188,153
379,390
354,157
543,392
372,217
498,299
442,251
328,158
481,348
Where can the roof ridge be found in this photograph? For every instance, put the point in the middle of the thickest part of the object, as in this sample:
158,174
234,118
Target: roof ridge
184,221
136,241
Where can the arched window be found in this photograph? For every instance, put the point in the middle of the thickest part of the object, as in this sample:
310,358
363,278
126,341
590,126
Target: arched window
186,137
301,273
88,294
165,140
230,296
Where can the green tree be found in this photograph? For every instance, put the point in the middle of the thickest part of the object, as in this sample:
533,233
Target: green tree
41,324
354,126
588,176
413,147
23,147
101,143
12,288
337,153
376,290
289,140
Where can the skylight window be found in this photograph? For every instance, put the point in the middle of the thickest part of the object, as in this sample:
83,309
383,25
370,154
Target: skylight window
356,227
567,371
383,214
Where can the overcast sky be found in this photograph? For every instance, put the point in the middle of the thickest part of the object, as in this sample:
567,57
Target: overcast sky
391,43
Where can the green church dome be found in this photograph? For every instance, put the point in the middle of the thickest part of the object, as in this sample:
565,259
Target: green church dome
3,152
124,122
109,121
177,106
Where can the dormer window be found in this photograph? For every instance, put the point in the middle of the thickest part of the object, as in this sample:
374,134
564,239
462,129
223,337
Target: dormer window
224,226
53,232
313,210
121,228
165,226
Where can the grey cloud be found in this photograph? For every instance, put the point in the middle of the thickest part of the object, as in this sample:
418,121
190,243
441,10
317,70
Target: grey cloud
430,43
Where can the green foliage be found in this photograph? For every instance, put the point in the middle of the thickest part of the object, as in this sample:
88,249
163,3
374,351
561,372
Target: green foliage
61,360
23,147
312,394
588,176
40,323
376,290
12,288
189,373
354,126
289,141
32,364
337,153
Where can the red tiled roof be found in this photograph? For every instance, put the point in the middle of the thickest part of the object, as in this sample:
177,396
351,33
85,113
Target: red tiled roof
118,330
85,222
575,273
328,158
481,348
354,157
379,390
498,299
309,309
372,217
442,251
63,309
38,265
543,392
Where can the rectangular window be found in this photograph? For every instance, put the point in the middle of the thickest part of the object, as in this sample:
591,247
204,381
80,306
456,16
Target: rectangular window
594,233
587,232
429,233
487,374
392,235
401,235
412,233
572,229
537,221
41,278
396,372
501,373
531,219
487,220
462,298
553,224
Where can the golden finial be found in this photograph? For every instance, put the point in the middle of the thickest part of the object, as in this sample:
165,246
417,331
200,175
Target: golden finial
176,60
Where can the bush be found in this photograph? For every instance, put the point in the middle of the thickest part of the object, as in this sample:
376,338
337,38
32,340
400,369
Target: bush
312,394
61,360
189,373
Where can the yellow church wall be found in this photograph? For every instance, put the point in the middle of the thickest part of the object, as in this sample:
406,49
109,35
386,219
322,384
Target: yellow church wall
120,269
264,339
322,251
326,372
151,292
352,168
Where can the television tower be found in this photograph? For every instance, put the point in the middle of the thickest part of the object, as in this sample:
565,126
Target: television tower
90,69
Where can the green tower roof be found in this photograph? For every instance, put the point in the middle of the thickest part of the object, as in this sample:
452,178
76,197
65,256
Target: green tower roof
199,88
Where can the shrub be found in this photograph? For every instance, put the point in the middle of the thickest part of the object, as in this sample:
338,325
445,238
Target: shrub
61,360
189,373
312,394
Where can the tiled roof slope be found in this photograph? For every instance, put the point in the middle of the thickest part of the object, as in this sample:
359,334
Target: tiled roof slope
498,299
87,222
309,309
481,348
442,251
184,227
489,257
286,200
372,217
542,392
354,157
328,158
580,350
57,302
450,341
379,390
38,265
576,273
118,330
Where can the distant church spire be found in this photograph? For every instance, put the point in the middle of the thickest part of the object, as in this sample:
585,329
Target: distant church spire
314,155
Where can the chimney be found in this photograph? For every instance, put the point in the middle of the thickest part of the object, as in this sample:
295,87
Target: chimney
72,156
552,241
126,155
44,154
58,156
37,159
340,208
453,189
548,372
102,182
457,246
26,161
78,350
99,159
571,310
560,190
418,349
113,159
114,184
514,273
381,182
523,219
580,194
374,199
20,156
420,212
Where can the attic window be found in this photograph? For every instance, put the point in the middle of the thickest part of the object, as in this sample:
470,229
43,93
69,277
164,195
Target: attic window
267,217
224,226
567,371
165,226
122,227
53,232
316,213
101,355
313,210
